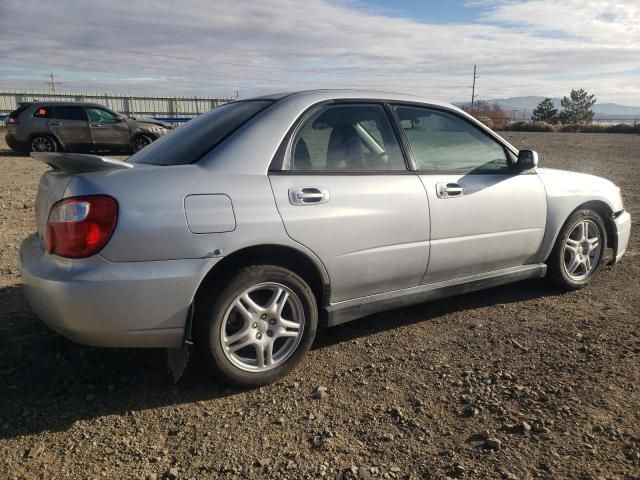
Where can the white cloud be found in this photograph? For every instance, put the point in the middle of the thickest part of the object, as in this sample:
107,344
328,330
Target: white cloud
203,47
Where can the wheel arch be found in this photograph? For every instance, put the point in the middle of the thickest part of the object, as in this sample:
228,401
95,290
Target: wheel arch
601,208
283,256
44,134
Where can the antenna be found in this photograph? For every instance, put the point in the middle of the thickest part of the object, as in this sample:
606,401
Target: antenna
52,82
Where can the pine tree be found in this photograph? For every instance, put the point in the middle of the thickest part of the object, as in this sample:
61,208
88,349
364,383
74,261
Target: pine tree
545,112
577,107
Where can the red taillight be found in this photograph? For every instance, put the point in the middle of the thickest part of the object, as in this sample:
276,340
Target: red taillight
13,120
81,226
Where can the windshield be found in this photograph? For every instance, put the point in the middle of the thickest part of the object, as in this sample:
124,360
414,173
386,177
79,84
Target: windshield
190,142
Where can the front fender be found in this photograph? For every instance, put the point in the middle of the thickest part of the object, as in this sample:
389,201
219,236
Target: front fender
567,191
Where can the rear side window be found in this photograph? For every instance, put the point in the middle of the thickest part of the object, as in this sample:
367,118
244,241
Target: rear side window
42,112
351,137
190,142
70,113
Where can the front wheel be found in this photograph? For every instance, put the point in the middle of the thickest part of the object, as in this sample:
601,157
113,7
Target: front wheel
579,250
259,327
139,142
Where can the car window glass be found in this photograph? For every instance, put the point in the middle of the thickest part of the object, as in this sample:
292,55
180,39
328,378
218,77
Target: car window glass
191,141
100,115
443,141
355,137
70,113
42,112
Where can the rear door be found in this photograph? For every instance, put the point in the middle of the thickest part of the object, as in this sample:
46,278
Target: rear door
346,194
70,126
485,214
106,128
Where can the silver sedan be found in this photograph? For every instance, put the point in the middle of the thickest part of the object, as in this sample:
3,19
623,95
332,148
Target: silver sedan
243,230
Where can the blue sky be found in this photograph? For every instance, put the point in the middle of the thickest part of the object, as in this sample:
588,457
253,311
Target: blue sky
428,47
430,11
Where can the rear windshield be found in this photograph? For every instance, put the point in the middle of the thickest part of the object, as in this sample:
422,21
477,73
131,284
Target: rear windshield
19,110
190,142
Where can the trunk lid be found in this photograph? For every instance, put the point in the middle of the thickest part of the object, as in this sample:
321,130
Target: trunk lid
54,183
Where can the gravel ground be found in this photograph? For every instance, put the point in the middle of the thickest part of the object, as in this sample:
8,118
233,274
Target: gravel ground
518,381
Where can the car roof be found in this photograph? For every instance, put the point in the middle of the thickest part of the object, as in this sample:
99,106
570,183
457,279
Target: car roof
336,94
66,104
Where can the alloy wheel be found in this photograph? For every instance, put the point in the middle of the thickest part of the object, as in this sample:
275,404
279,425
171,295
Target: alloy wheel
42,144
582,250
262,327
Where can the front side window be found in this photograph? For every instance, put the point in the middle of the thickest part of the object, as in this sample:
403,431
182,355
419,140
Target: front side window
348,137
100,115
441,141
70,113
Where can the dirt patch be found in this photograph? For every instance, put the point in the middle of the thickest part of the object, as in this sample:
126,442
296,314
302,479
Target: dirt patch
514,382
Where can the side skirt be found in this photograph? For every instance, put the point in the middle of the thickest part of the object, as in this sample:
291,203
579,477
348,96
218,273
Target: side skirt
348,310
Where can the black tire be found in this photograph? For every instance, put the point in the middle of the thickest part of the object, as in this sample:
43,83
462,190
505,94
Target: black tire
139,142
210,315
556,270
43,143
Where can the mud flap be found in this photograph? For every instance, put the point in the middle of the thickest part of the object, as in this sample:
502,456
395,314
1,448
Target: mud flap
177,358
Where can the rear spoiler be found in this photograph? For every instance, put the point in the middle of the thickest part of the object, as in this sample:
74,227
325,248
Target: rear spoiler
80,162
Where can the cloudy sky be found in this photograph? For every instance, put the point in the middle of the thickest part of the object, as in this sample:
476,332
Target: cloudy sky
429,47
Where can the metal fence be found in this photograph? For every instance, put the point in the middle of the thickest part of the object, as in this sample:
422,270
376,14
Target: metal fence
169,109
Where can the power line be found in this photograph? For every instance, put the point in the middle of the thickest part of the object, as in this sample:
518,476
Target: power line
235,85
337,71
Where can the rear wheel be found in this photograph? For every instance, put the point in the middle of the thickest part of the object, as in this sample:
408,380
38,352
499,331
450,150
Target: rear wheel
579,250
259,327
43,144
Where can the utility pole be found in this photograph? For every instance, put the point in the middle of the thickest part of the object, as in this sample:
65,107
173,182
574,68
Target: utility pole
52,83
473,88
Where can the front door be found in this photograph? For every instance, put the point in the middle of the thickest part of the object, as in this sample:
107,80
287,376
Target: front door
346,194
107,129
485,214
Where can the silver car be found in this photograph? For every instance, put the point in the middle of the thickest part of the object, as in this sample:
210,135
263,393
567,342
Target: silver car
246,228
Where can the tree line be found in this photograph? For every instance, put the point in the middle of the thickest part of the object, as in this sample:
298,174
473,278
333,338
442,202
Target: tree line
575,110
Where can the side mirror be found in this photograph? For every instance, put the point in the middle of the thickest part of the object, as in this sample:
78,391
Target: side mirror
527,159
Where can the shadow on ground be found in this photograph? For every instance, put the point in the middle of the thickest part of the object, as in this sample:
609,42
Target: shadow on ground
48,382
11,153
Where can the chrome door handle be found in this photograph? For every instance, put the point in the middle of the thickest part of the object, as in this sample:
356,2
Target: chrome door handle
95,125
308,195
447,190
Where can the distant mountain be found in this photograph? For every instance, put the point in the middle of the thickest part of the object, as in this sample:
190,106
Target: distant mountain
524,107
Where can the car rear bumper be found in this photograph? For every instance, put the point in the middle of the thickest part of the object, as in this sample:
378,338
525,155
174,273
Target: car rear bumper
15,144
97,302
622,232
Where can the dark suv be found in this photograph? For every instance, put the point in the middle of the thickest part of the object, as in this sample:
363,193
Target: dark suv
75,126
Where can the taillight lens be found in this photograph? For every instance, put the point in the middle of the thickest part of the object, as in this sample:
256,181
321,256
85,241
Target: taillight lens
80,226
13,120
